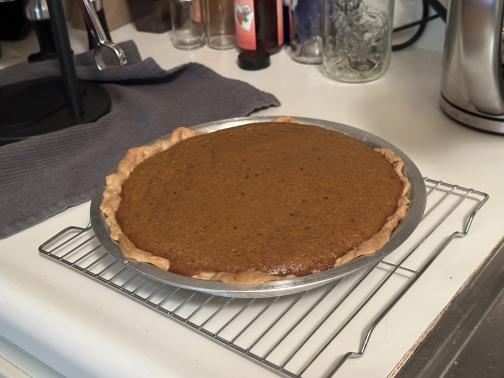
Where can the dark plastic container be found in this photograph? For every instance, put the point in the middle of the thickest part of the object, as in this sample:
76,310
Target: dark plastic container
151,16
13,23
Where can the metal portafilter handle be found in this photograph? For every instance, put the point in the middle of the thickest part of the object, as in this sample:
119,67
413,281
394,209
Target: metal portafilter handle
92,21
98,6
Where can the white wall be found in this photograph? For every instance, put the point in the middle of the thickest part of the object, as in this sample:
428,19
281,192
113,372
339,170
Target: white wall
411,10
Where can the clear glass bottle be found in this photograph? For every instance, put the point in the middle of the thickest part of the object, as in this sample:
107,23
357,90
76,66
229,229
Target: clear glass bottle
220,24
304,27
188,24
356,38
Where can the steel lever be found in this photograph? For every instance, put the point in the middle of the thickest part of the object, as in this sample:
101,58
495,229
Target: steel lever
93,22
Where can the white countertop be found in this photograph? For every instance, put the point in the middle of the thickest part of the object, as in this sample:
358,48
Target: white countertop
81,328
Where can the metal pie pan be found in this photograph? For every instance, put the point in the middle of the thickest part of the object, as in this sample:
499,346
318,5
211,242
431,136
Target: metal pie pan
290,286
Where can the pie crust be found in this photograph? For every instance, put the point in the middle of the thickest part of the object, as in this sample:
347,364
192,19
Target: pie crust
134,156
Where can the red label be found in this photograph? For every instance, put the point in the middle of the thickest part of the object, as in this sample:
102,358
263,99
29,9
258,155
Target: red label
280,27
245,24
195,12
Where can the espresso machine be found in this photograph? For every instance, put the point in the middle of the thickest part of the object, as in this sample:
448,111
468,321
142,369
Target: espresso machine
40,106
472,91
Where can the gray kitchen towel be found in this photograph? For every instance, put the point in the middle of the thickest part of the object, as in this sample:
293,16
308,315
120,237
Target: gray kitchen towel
45,174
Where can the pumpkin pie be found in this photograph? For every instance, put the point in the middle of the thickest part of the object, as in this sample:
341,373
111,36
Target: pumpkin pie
254,203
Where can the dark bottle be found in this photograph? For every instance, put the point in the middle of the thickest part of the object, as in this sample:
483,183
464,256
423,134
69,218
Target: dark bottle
259,25
13,23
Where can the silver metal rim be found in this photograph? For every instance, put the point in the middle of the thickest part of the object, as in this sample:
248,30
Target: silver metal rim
284,287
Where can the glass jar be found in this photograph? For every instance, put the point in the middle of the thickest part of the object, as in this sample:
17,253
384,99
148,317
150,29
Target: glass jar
220,24
356,38
304,27
188,24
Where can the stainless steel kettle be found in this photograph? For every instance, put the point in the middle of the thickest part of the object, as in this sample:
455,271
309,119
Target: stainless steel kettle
472,90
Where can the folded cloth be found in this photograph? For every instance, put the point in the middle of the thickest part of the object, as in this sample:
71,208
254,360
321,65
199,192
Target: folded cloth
45,174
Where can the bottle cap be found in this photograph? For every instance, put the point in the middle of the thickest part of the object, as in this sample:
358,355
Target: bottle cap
253,60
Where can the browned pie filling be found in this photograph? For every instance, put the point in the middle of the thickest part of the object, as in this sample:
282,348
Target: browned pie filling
282,199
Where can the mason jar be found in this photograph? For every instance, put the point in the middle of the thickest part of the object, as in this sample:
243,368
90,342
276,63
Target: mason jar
356,39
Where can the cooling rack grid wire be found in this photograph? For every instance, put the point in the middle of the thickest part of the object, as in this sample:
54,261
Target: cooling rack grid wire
295,335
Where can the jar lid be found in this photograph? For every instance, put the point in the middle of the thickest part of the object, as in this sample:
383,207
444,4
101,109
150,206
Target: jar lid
253,60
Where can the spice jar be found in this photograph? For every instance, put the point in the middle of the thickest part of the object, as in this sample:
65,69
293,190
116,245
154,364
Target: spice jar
220,25
304,27
188,24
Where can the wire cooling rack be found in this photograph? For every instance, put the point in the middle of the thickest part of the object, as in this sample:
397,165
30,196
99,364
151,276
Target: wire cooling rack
296,335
